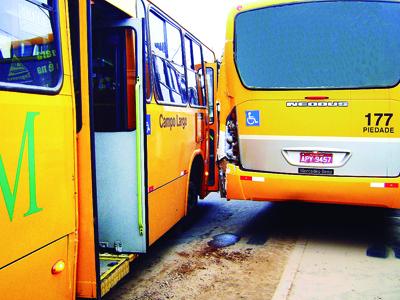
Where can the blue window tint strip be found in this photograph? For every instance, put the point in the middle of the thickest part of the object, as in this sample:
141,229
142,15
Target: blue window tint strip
343,44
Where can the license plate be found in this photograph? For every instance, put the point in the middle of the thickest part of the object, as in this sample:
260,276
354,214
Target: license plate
316,158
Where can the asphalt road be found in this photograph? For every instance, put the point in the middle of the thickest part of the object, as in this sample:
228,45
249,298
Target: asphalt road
183,265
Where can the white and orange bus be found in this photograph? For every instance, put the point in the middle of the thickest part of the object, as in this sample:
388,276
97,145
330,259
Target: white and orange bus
310,102
105,109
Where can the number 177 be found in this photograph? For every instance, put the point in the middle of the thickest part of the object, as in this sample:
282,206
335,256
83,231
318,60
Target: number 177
379,117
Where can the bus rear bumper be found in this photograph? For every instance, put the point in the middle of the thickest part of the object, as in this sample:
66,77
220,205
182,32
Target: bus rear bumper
363,191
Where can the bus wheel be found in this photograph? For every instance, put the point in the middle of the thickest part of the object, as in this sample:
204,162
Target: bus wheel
195,182
193,196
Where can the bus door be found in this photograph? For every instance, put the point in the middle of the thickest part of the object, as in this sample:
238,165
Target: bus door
213,124
118,131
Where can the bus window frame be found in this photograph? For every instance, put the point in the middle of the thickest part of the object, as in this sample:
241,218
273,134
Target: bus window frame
194,40
166,19
147,59
25,88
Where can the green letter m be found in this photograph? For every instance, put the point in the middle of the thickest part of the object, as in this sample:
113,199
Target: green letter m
10,197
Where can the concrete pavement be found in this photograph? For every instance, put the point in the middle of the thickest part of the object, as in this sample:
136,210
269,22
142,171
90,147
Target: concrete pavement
340,269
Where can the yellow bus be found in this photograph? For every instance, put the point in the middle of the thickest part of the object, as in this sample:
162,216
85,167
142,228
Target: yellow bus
310,102
106,110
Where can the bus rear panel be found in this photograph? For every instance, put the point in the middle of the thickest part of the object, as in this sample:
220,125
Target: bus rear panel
315,102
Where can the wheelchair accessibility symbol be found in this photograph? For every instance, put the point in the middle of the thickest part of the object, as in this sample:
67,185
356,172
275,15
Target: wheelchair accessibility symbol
148,125
252,118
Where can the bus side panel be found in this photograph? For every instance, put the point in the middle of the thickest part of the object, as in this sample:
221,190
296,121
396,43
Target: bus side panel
37,171
171,144
166,207
31,276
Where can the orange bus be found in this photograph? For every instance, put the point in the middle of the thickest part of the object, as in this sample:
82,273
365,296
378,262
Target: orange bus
105,109
310,102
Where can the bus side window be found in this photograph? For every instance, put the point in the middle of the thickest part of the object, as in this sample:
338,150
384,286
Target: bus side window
199,68
159,53
168,68
114,80
131,75
195,73
28,46
210,93
110,80
191,76
175,63
161,79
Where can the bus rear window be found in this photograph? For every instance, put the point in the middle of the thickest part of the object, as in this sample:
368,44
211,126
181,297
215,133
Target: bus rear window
28,52
342,44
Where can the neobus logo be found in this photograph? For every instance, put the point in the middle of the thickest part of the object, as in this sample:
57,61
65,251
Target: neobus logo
317,104
10,197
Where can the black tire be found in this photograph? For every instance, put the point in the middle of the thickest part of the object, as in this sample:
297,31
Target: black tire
193,196
222,187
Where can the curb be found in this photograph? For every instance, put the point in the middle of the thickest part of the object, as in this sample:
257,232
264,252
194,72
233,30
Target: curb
288,276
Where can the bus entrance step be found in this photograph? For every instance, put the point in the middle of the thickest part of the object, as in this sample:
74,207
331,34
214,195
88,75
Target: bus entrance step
112,269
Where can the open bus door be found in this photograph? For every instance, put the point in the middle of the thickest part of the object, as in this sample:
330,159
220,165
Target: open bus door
119,143
213,126
118,152
119,132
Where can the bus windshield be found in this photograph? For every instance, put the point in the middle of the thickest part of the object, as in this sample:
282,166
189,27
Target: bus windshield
342,44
